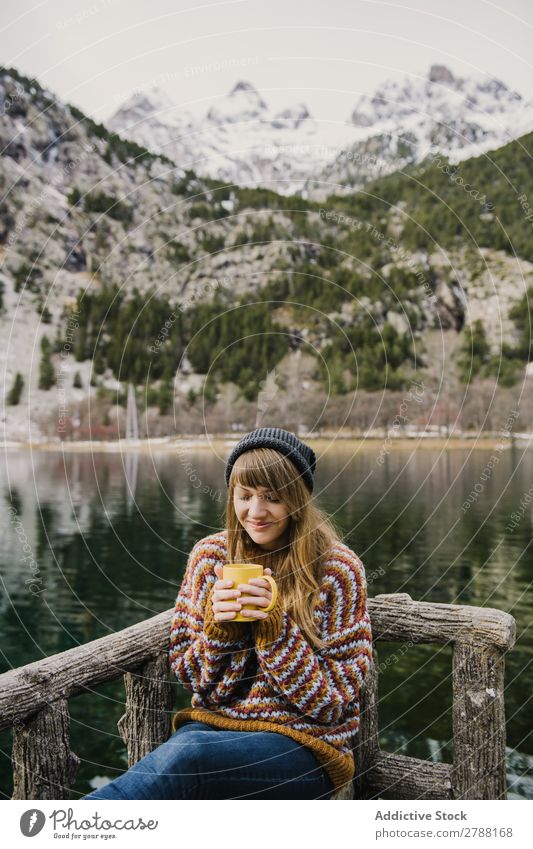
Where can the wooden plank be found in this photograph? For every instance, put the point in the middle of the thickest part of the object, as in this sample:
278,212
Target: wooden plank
478,723
398,618
149,700
43,765
400,777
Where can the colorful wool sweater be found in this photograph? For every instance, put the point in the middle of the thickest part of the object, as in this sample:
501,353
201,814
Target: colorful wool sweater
265,675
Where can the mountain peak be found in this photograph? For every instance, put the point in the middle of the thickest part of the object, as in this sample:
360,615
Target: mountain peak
146,109
154,99
243,85
291,117
243,103
441,74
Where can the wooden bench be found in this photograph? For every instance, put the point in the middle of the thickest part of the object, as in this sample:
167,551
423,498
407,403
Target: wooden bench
34,702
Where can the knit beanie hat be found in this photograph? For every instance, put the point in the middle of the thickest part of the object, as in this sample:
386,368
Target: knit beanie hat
281,440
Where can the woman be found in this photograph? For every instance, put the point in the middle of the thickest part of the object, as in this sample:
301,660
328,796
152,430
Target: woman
275,700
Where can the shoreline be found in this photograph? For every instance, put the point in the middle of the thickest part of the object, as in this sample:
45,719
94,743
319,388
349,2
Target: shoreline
324,441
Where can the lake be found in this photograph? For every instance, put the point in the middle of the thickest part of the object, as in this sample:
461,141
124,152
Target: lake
103,539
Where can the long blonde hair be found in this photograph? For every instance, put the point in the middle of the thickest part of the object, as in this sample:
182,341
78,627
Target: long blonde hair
298,566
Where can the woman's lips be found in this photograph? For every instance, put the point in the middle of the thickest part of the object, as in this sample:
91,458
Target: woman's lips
259,527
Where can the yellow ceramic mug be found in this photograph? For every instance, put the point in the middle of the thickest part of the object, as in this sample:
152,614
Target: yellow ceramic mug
240,573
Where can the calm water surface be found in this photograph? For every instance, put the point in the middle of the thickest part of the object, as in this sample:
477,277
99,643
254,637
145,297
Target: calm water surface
110,533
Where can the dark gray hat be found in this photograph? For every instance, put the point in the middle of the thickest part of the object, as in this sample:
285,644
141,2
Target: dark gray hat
285,442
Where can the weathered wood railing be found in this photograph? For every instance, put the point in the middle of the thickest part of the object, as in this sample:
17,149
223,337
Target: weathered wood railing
480,636
34,702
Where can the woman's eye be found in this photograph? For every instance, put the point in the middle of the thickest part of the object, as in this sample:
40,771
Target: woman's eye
269,497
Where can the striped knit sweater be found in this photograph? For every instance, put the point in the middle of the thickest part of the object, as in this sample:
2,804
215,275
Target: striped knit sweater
265,675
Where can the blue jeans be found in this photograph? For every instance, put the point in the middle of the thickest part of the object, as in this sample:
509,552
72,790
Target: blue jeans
202,762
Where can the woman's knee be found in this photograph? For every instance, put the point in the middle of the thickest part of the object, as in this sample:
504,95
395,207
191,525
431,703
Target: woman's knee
178,755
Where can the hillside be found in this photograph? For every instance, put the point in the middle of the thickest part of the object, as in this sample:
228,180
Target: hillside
225,304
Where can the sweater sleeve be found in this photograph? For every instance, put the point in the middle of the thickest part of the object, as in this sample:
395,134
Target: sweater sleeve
322,683
207,657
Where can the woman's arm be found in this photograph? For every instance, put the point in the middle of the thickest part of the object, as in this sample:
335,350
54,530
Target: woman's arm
324,683
207,657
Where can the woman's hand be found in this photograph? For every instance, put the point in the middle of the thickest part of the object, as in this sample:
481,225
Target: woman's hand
256,591
226,601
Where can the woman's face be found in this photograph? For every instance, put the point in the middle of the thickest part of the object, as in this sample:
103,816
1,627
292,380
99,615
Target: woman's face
265,518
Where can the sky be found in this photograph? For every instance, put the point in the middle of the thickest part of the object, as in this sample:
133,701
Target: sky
95,53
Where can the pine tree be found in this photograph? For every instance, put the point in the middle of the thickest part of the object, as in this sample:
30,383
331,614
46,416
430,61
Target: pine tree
14,393
80,344
98,362
474,352
47,376
164,397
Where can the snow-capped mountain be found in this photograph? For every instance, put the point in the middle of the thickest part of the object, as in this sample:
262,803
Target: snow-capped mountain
241,140
440,96
407,120
243,104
